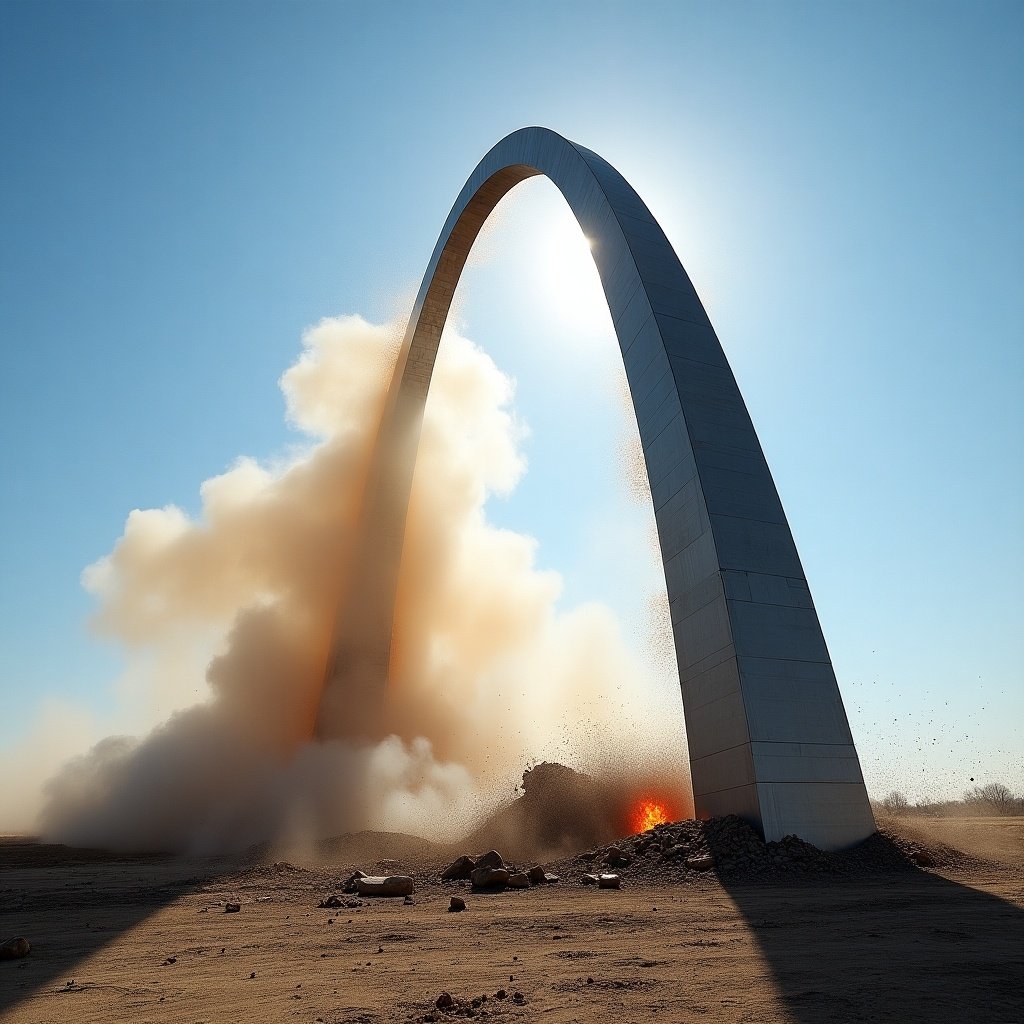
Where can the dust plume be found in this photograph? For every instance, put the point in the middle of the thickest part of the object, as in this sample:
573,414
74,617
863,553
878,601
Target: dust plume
491,672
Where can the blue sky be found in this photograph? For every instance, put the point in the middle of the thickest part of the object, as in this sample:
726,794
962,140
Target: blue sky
187,186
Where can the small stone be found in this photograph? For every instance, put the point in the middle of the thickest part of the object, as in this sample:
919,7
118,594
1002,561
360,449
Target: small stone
551,879
457,905
385,885
609,881
408,901
536,874
500,994
520,880
15,949
518,997
702,862
232,908
461,869
331,901
487,877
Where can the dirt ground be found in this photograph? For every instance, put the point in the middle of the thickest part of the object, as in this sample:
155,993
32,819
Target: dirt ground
147,939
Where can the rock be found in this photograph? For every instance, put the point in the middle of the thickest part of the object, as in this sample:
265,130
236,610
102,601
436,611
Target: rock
922,858
15,949
444,1001
460,869
589,879
232,908
614,857
488,877
609,881
350,885
491,859
385,885
331,901
520,880
500,994
702,862
457,904
536,874
551,879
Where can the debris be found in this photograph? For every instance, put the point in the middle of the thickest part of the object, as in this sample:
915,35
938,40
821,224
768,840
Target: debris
487,877
385,885
350,884
460,869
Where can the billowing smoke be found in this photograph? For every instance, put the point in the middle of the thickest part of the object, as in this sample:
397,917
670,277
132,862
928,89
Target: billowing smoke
227,620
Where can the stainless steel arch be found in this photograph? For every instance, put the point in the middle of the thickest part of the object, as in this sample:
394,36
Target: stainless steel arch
767,733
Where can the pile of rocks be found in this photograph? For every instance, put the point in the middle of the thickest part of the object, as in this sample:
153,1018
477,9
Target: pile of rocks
447,1005
489,871
733,851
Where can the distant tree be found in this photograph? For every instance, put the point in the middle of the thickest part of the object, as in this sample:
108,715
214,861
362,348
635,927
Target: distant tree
994,797
896,803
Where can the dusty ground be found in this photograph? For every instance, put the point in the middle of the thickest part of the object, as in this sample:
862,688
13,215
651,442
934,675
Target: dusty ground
148,940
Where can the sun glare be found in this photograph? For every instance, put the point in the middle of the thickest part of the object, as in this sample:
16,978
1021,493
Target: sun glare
569,276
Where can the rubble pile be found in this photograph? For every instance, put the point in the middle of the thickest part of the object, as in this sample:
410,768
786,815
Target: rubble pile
490,871
730,849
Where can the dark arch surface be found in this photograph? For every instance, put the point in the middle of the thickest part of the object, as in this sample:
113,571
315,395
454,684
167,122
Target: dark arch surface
767,732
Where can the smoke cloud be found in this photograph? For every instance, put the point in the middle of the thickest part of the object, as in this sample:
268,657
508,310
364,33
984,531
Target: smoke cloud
226,619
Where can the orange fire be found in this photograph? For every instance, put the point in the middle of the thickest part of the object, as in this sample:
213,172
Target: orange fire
647,814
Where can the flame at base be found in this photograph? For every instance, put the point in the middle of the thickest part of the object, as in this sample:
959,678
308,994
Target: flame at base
646,814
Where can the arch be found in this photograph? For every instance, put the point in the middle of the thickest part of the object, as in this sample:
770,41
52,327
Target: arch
767,732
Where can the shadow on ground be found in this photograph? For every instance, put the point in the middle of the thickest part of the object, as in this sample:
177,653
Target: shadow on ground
68,921
880,948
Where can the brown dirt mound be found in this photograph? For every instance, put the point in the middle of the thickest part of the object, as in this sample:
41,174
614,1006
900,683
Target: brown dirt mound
731,850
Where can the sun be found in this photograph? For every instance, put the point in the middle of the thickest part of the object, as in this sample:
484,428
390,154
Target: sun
568,276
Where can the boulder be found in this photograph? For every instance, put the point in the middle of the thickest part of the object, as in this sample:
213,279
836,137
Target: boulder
15,949
491,859
385,885
457,905
487,877
520,880
459,869
609,881
536,874
589,879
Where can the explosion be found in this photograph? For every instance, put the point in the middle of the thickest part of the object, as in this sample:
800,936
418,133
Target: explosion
646,814
225,619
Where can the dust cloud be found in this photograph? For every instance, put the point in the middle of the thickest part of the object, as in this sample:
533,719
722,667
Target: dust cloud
226,621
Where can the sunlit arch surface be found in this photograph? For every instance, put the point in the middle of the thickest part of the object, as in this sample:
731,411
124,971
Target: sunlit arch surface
767,733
